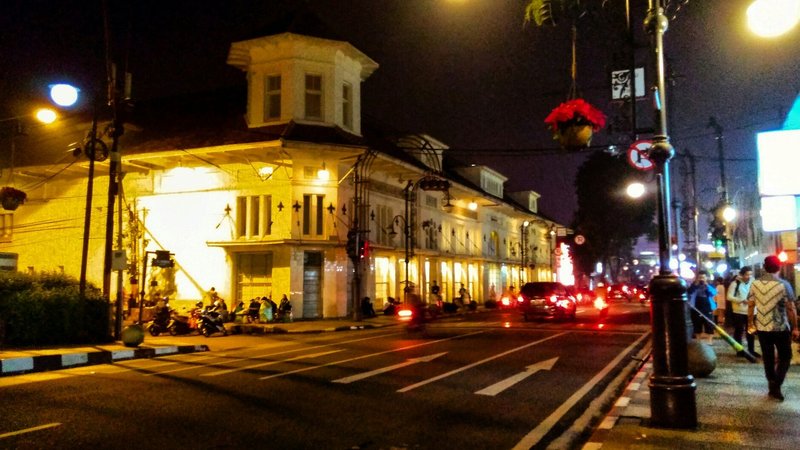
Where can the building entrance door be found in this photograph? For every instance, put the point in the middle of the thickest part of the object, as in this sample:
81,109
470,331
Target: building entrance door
312,284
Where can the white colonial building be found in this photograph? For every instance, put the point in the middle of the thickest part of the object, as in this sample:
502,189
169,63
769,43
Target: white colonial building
254,193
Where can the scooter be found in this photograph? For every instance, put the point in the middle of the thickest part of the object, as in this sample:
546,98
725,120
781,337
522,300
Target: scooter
417,318
210,322
159,323
179,325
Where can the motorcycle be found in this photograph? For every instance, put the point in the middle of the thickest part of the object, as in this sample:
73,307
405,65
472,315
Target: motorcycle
417,318
210,322
160,322
179,325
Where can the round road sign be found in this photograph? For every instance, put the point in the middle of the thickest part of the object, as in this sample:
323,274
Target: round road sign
580,239
637,155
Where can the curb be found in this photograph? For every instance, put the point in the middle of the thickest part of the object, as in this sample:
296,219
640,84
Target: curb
44,363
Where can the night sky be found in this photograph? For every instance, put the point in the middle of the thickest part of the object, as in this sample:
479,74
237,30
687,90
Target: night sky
466,72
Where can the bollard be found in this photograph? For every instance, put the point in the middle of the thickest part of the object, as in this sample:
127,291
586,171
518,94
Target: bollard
672,388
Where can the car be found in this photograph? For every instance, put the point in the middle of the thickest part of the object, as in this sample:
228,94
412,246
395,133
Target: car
619,291
584,296
547,299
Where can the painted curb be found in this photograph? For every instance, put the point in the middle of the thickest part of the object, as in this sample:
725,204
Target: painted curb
44,363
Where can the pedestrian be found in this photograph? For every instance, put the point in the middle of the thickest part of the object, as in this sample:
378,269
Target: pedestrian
737,302
771,312
701,297
492,293
719,299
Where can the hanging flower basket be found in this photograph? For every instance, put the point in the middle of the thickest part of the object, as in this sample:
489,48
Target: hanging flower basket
11,198
573,123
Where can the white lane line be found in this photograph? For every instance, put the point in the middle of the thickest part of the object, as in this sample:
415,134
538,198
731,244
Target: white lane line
272,354
538,433
368,356
269,363
469,366
29,430
514,379
372,373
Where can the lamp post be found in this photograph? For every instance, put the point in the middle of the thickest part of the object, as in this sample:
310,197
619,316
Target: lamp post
672,388
408,249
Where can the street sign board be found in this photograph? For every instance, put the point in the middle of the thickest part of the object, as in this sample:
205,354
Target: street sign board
637,155
580,239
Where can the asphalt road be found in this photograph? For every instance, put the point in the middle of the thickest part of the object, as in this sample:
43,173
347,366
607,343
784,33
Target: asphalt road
476,381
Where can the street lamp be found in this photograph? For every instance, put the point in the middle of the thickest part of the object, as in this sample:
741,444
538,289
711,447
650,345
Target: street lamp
772,18
672,388
635,190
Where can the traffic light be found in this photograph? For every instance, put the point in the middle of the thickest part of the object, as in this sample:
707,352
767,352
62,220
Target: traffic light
718,237
352,235
363,249
163,259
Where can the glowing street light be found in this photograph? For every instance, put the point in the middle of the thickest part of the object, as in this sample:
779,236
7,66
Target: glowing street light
46,115
64,94
772,18
635,190
729,213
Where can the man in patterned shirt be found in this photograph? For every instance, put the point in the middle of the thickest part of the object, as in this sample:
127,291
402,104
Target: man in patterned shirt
771,311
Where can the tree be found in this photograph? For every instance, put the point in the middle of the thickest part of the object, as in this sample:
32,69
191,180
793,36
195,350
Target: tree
609,219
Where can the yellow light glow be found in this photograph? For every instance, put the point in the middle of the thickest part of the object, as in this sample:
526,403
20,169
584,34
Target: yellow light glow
323,173
783,257
472,206
772,18
46,115
265,171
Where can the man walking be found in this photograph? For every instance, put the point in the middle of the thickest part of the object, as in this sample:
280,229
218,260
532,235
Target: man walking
771,311
737,300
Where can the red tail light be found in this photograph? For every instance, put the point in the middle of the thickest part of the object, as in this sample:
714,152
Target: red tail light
505,301
553,298
520,299
405,314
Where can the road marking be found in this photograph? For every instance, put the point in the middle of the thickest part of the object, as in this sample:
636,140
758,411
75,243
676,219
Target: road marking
544,427
29,430
268,363
272,354
368,356
469,366
514,379
372,373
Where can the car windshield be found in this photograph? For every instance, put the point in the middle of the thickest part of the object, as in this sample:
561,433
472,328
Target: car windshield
539,289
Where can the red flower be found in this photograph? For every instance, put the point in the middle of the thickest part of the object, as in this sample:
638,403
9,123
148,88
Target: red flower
575,112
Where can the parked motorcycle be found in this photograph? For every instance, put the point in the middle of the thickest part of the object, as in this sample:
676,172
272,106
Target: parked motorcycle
160,322
180,325
210,322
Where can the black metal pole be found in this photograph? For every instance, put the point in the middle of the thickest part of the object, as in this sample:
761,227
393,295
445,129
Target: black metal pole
672,388
142,285
90,152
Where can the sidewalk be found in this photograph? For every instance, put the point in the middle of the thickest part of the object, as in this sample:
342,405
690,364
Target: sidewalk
733,411
14,361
